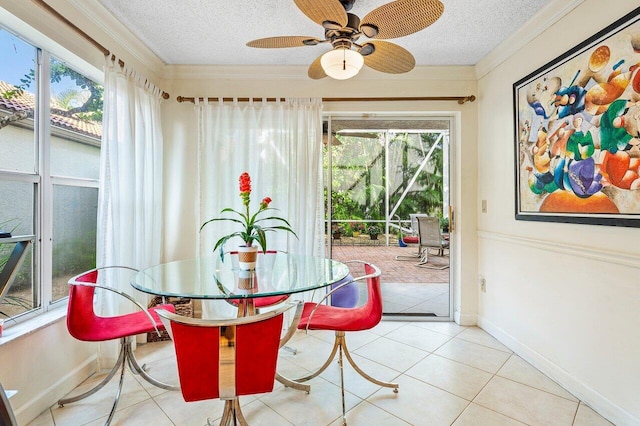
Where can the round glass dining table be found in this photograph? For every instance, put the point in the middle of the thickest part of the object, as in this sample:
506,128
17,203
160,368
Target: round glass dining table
277,275
213,277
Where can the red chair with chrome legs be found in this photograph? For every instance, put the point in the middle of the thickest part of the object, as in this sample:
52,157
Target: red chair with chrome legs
225,359
85,325
320,316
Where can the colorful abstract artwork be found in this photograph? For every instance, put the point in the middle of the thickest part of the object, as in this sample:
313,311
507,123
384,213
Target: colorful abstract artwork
577,122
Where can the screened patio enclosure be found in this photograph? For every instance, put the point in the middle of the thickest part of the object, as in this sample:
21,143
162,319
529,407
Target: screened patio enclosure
380,171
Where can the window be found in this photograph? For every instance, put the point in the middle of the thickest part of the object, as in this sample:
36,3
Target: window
50,131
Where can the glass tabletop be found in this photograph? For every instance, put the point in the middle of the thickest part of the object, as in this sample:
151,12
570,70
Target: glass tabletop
214,278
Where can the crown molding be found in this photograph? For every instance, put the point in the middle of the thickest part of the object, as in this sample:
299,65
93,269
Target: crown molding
535,26
121,42
299,72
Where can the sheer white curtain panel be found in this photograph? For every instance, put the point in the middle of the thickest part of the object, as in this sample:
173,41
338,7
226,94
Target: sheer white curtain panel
130,196
280,145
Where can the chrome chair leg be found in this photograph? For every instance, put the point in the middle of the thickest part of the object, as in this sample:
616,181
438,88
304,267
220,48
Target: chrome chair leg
100,385
325,365
117,398
344,411
362,373
135,367
125,358
293,384
231,415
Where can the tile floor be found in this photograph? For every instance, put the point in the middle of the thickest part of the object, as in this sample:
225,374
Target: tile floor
448,375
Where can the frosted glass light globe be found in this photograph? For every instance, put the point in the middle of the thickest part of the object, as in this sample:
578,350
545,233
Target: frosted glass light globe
342,63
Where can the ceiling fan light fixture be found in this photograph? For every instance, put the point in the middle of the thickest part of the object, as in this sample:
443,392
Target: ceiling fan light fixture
342,63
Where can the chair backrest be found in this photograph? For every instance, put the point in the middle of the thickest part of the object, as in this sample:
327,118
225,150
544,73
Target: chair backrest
371,312
414,222
358,318
429,231
82,321
225,358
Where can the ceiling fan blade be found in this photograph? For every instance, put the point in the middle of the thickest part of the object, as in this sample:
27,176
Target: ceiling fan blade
320,11
400,18
390,58
283,41
315,70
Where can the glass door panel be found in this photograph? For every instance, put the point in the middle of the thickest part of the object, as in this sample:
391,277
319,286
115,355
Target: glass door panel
381,173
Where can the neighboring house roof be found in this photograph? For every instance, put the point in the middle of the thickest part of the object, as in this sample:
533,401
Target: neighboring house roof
26,102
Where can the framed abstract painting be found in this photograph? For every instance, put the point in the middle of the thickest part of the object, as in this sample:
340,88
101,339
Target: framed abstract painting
577,141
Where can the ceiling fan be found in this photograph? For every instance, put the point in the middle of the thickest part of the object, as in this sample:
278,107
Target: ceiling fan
342,30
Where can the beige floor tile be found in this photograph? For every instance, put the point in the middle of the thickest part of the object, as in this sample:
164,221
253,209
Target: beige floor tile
452,376
385,351
257,413
418,337
188,413
419,403
44,419
98,404
473,354
434,390
475,415
320,407
141,414
520,371
587,417
365,414
526,404
353,381
445,327
481,337
164,370
311,353
385,327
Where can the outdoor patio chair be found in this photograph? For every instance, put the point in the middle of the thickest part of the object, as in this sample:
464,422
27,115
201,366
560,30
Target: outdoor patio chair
410,237
430,237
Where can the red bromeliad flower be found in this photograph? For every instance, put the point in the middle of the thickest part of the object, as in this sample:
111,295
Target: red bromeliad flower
265,203
253,230
245,187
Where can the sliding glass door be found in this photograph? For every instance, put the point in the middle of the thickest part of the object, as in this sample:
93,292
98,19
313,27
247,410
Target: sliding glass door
381,173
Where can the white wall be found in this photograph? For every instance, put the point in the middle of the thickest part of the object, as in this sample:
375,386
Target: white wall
566,297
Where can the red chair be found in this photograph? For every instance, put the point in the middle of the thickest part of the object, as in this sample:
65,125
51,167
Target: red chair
85,325
225,359
320,316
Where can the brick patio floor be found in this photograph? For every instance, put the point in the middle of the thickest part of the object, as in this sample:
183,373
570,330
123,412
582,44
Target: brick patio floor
393,271
406,288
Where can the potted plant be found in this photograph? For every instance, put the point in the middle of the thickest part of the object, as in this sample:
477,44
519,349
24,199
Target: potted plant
251,227
444,224
374,231
337,232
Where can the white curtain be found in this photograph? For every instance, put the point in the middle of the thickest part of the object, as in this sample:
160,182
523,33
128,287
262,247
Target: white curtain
130,196
280,145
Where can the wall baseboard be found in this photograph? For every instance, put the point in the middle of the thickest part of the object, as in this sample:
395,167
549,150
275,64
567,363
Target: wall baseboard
465,319
584,393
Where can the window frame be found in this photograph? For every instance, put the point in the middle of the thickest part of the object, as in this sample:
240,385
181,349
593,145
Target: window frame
42,179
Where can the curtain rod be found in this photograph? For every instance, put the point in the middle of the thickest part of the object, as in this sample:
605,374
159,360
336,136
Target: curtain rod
84,35
461,99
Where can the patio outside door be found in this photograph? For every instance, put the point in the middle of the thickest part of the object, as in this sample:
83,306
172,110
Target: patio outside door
380,171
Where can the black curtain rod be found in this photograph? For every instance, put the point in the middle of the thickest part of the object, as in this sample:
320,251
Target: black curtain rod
84,35
460,99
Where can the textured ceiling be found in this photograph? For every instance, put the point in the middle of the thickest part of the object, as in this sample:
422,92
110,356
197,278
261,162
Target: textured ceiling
201,32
